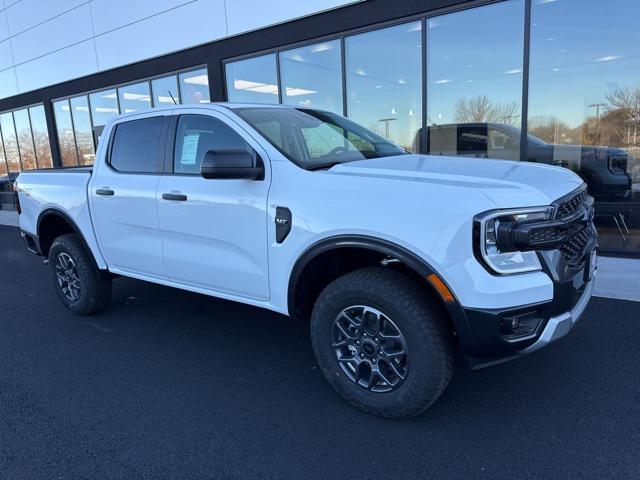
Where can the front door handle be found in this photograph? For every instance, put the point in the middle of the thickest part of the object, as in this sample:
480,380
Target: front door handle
105,191
176,197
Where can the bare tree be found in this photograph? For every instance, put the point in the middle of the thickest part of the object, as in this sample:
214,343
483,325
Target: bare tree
550,129
481,109
624,103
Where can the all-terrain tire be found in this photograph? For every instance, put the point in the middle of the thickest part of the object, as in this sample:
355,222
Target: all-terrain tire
94,290
420,318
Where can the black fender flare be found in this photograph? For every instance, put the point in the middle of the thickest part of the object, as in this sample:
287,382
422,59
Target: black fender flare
52,211
410,259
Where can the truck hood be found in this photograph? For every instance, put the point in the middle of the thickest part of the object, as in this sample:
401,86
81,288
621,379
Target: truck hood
506,183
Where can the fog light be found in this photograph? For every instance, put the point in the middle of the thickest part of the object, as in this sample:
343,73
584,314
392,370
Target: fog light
520,327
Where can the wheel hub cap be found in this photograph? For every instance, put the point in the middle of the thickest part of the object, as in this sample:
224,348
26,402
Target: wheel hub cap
370,348
68,278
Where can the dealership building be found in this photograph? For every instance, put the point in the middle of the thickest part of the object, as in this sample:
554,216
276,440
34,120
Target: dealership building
547,81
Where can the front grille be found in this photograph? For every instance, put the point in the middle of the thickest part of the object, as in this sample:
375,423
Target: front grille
568,207
578,234
573,249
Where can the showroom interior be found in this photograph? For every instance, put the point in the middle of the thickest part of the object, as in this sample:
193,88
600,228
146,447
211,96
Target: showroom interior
490,79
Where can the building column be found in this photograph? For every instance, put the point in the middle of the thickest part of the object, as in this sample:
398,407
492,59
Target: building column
53,134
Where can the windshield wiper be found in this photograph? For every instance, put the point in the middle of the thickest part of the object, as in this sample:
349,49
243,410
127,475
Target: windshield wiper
322,166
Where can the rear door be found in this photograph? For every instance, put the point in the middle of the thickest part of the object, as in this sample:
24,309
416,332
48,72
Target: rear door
214,231
123,195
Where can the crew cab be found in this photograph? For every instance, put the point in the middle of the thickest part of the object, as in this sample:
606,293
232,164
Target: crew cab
397,259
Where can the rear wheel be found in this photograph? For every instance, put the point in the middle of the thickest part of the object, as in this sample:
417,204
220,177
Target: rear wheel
382,342
80,286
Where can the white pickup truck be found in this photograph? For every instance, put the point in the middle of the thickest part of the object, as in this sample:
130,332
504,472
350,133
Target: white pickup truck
396,259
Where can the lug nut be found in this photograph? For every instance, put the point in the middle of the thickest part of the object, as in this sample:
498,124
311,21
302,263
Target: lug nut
358,342
362,355
376,340
373,360
364,334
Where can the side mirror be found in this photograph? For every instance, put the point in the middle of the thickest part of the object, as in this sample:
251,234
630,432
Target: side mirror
233,163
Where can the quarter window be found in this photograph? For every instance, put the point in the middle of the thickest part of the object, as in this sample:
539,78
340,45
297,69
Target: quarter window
135,145
196,135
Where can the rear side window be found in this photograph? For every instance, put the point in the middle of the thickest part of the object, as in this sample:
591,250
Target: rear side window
135,145
196,135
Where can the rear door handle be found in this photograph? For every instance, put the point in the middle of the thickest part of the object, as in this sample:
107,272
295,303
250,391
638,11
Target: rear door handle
105,191
176,197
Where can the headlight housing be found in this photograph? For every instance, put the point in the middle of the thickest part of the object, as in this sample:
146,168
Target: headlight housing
494,244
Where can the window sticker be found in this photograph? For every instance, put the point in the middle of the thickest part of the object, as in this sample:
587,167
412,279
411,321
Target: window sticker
189,149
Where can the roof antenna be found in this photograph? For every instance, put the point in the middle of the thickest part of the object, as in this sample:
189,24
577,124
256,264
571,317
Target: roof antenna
171,95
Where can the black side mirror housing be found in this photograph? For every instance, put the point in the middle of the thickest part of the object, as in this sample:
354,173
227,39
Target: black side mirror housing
232,163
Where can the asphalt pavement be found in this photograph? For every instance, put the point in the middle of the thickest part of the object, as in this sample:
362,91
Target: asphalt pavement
170,384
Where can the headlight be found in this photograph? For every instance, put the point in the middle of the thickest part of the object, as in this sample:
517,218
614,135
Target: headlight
494,243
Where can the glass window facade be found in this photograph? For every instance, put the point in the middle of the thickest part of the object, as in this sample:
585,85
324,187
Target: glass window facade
253,81
194,86
165,91
384,81
10,141
584,106
40,136
134,97
312,76
474,86
25,140
82,129
104,105
64,130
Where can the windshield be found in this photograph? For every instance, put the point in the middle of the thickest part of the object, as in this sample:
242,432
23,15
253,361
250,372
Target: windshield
316,139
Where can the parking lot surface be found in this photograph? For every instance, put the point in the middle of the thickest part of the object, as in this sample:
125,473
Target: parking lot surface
170,384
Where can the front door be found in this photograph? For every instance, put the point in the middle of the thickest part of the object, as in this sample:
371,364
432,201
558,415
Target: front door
214,231
123,196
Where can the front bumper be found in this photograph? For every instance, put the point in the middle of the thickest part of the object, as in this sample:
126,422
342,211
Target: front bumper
558,326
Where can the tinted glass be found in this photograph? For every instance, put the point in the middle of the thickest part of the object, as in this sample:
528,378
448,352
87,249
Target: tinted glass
584,104
196,135
312,76
135,145
315,139
82,128
104,105
164,89
64,130
25,140
134,97
41,136
253,80
384,81
474,72
194,86
3,162
10,142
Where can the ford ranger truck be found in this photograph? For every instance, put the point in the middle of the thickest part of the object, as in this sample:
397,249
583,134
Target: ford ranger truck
397,259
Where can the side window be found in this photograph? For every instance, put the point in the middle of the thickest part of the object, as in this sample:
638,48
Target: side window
135,145
472,141
197,134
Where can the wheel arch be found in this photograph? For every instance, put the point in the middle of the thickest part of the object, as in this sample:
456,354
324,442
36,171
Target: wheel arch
52,223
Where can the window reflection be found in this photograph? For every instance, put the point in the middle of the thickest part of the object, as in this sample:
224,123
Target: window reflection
25,141
134,97
82,130
64,130
165,91
312,76
384,81
254,80
104,105
4,170
40,137
194,86
584,114
10,142
474,72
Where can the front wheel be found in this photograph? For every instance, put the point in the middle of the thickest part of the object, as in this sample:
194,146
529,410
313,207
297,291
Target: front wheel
80,286
382,342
